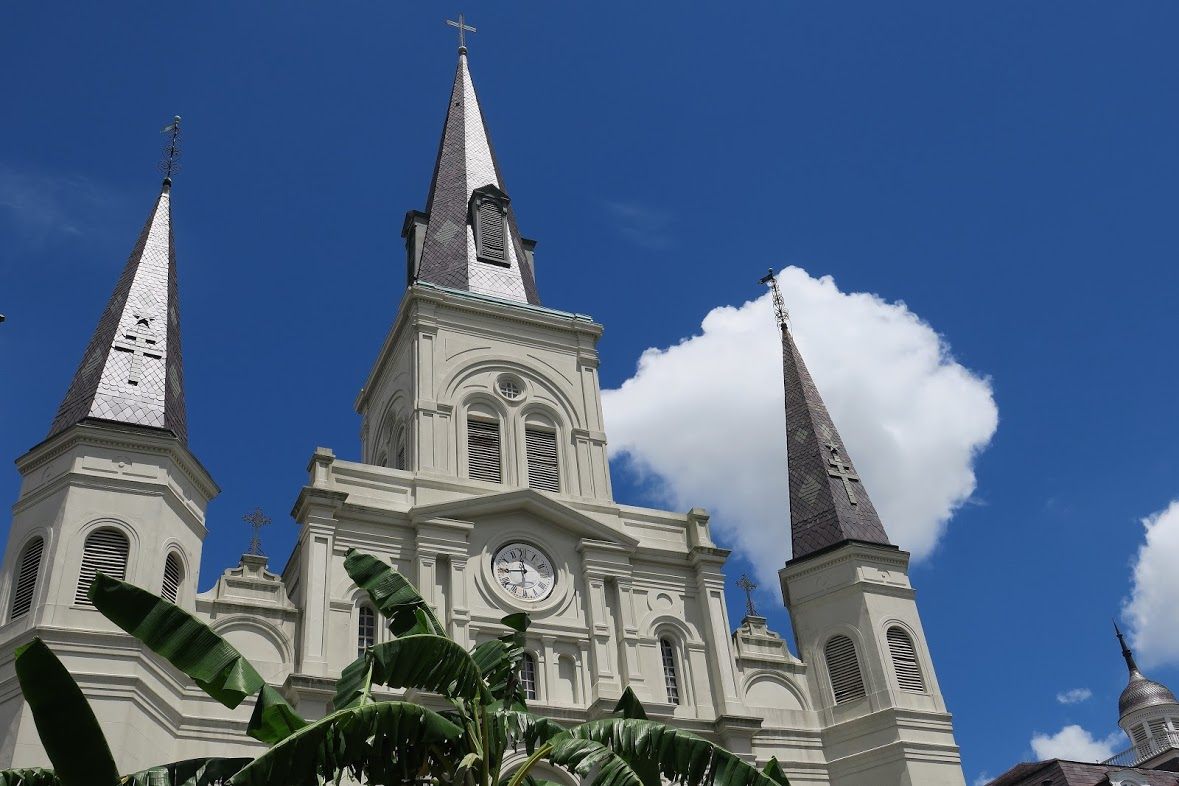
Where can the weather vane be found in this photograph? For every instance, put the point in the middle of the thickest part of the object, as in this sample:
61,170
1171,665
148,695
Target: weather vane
770,280
170,163
256,519
463,29
747,584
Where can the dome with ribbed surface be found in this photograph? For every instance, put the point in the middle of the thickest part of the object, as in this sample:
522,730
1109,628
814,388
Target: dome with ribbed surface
1142,693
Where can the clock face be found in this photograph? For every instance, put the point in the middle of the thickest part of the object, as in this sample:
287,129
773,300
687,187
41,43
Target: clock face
523,571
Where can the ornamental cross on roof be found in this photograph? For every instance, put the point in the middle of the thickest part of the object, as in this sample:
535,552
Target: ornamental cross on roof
749,586
844,471
256,519
463,29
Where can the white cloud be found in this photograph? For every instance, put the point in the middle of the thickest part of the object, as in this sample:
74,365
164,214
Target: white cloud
704,419
1075,744
1074,696
983,779
1155,592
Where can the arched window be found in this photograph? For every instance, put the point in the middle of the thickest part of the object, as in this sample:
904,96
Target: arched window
844,670
904,660
173,575
105,552
671,679
484,455
540,450
25,584
528,675
366,630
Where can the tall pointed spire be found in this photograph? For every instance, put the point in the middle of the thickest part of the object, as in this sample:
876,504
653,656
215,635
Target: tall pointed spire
828,502
131,371
471,239
1127,654
1140,691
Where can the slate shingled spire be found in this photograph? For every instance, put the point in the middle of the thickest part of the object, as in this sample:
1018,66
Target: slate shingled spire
131,370
828,503
466,176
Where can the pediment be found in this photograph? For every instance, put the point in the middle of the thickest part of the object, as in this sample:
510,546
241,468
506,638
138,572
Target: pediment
525,501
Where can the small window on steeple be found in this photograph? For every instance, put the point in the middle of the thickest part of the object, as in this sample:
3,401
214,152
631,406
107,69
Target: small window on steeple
489,222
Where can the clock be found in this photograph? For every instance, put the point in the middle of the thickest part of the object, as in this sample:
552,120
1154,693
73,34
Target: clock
523,571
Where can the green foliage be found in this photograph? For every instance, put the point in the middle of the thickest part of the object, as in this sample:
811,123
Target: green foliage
773,771
392,595
629,706
585,757
384,742
193,772
67,726
197,650
29,776
680,756
428,662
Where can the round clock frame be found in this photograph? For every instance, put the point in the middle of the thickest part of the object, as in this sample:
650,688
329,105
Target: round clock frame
523,572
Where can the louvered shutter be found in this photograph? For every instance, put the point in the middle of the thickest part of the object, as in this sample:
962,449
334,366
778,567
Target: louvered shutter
541,447
904,661
1158,728
846,682
1139,733
106,552
172,574
483,452
26,578
491,231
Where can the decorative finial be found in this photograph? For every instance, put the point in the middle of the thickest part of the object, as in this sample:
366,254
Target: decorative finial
770,280
463,29
1126,652
256,519
170,163
749,586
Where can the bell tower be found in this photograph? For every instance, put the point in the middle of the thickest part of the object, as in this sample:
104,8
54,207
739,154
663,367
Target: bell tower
853,609
113,488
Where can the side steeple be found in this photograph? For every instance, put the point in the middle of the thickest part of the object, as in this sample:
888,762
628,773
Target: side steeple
828,502
131,371
469,240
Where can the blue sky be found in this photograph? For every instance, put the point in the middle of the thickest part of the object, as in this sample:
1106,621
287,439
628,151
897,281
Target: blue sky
1006,169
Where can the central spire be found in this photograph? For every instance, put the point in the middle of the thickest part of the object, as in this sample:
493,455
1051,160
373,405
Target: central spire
470,240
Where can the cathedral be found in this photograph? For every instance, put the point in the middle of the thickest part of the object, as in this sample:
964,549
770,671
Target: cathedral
483,477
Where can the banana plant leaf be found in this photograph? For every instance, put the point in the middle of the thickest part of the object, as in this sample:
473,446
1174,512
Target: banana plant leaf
527,728
383,742
193,772
392,595
681,757
595,763
629,706
354,687
197,650
773,771
29,776
65,722
499,661
428,662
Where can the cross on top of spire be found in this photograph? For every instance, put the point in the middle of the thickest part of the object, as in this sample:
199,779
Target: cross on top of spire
463,29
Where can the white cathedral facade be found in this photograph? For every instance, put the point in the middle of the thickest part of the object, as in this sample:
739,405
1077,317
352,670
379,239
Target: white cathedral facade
482,477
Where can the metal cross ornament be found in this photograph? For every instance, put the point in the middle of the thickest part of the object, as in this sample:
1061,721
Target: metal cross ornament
463,29
256,519
170,163
844,471
747,584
